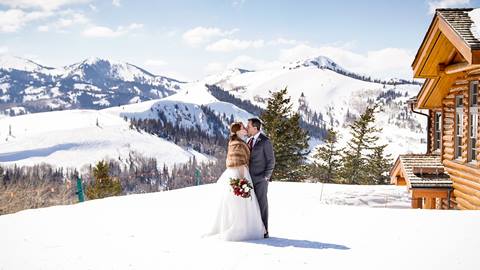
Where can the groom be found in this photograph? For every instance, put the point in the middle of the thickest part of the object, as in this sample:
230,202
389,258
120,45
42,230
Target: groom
262,162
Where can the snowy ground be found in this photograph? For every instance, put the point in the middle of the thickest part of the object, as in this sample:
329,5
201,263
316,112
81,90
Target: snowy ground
162,231
72,138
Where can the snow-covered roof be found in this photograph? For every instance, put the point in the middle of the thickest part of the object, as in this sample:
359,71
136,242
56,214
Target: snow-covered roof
421,171
465,22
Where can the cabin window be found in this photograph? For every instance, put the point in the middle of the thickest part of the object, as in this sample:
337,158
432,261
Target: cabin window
437,130
458,125
473,121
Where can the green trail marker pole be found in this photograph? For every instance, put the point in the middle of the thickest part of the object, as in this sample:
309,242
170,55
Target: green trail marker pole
198,177
80,190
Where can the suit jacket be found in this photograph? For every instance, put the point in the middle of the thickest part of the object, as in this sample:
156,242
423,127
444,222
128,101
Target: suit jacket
262,160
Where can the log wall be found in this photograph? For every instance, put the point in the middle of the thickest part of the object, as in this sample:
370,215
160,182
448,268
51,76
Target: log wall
465,176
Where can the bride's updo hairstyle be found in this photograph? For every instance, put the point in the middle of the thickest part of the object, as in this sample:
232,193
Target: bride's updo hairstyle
234,128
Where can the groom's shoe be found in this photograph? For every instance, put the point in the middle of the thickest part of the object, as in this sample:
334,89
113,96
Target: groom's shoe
266,235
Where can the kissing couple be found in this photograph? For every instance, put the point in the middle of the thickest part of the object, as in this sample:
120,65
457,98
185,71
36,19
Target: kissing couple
242,210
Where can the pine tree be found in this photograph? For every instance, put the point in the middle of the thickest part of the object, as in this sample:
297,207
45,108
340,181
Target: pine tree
1,175
355,159
379,164
103,185
327,159
290,141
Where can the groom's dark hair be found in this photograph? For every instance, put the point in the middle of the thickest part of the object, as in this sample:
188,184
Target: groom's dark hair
256,123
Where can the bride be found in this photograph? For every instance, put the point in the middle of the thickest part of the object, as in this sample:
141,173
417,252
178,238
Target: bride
237,218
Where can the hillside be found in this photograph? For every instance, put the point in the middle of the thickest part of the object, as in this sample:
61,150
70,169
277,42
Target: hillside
163,231
75,138
336,96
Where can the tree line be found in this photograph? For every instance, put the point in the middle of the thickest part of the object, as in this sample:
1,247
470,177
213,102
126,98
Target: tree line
361,161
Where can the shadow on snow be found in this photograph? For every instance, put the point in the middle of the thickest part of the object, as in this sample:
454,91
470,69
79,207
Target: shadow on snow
284,242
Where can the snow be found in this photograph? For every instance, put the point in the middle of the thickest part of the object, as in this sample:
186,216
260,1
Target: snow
18,63
71,138
86,87
475,27
331,94
183,108
163,231
4,87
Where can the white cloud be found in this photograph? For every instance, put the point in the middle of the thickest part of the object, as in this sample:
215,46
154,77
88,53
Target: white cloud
67,19
200,35
13,20
41,4
214,68
3,49
96,31
283,41
434,4
241,61
228,45
93,7
43,28
384,63
155,63
238,3
116,3
251,63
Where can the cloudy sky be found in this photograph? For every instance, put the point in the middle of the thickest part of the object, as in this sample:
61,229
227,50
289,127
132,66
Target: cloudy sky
190,39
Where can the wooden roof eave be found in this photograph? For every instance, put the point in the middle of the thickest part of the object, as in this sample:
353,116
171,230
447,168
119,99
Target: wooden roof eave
440,26
433,91
398,171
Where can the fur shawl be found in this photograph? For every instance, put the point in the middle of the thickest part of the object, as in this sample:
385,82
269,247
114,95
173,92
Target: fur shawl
238,154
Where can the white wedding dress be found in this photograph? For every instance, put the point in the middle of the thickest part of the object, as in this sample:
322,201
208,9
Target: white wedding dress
236,218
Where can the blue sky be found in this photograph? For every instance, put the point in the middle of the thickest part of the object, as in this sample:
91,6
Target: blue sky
190,39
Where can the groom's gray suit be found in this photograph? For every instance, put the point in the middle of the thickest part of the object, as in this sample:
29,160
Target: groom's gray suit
262,163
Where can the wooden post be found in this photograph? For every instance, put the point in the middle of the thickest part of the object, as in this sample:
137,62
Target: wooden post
430,203
416,203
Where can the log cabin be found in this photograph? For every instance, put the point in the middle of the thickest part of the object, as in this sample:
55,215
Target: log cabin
447,176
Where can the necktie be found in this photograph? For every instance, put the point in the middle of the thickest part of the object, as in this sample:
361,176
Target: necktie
250,143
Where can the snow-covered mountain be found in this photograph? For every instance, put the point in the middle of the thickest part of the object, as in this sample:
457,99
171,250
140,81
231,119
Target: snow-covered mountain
91,84
310,228
325,93
336,96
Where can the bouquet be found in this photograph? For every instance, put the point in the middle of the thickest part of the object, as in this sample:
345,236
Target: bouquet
241,187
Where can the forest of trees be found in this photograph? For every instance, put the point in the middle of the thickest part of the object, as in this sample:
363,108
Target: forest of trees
24,187
193,137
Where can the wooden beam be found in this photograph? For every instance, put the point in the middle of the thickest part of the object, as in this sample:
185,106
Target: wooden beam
425,48
456,68
430,192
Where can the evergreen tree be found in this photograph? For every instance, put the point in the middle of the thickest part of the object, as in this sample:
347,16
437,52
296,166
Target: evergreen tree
355,169
1,175
103,185
379,164
289,140
327,159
